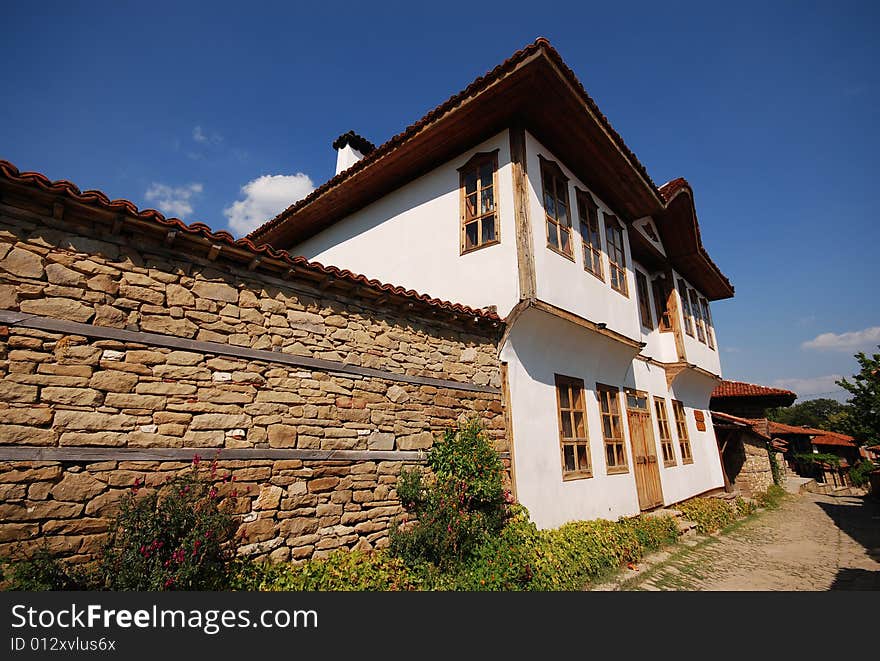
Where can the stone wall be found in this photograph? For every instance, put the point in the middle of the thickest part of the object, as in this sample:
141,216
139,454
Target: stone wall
750,453
390,378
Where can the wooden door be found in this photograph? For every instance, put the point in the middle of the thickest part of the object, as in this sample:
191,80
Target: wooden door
641,433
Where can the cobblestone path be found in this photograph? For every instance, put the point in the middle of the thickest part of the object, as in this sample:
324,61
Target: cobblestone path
812,542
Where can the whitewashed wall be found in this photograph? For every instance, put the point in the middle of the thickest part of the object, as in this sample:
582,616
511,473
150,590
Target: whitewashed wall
565,283
698,353
540,346
411,238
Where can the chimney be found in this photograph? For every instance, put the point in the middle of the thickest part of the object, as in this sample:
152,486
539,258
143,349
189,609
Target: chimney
350,148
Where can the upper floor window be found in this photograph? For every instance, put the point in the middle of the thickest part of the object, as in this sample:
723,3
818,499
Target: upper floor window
698,316
686,308
556,209
573,435
707,320
612,428
665,435
479,207
616,254
662,291
588,214
684,441
642,295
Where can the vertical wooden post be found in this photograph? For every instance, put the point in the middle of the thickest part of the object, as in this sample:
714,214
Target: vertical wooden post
508,426
525,258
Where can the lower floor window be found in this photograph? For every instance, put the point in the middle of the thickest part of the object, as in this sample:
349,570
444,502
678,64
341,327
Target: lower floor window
573,436
684,440
612,429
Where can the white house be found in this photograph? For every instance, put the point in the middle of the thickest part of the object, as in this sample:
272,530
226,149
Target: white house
517,193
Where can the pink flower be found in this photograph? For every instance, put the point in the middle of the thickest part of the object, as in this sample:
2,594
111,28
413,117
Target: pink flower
196,460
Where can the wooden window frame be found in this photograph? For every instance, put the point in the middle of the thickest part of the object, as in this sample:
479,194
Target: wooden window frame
686,311
667,445
614,410
474,163
684,438
588,213
576,442
551,171
662,291
698,315
644,300
612,226
707,321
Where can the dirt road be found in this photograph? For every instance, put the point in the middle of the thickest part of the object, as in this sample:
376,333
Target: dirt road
812,542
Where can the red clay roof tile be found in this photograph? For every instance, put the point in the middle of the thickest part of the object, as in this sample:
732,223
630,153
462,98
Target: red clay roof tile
96,198
744,389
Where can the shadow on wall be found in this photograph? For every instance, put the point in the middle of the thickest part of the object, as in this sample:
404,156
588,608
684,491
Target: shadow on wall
860,519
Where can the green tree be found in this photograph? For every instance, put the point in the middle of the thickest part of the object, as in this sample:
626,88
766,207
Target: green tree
863,416
820,413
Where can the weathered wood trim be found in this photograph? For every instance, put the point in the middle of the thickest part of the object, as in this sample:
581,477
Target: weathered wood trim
586,323
13,318
508,425
94,454
525,250
675,316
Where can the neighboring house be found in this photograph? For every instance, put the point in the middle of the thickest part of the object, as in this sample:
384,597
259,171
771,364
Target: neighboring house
749,400
872,452
745,451
809,441
516,195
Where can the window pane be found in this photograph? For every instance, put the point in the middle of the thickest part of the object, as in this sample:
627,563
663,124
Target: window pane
488,228
606,427
583,459
562,212
577,397
609,454
552,239
564,400
549,205
621,457
487,198
566,425
568,455
470,182
470,205
470,233
579,430
564,235
486,174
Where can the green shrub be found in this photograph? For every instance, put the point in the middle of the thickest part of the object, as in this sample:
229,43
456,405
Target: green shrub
745,507
859,474
772,498
176,538
341,571
42,571
710,514
457,507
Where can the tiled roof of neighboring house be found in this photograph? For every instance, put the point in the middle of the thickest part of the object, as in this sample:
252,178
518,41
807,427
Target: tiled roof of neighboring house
831,438
744,389
96,198
873,448
753,425
779,428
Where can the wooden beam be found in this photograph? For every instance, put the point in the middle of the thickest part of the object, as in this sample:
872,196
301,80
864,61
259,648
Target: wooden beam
214,251
58,210
525,258
254,263
169,237
599,328
49,324
508,425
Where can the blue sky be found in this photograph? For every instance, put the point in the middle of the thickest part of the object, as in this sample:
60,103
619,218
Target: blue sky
768,109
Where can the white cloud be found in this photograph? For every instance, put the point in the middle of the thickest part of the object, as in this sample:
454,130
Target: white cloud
200,136
173,200
816,385
264,197
853,341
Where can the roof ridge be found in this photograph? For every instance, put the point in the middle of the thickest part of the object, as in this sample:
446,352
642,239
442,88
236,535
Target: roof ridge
99,199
